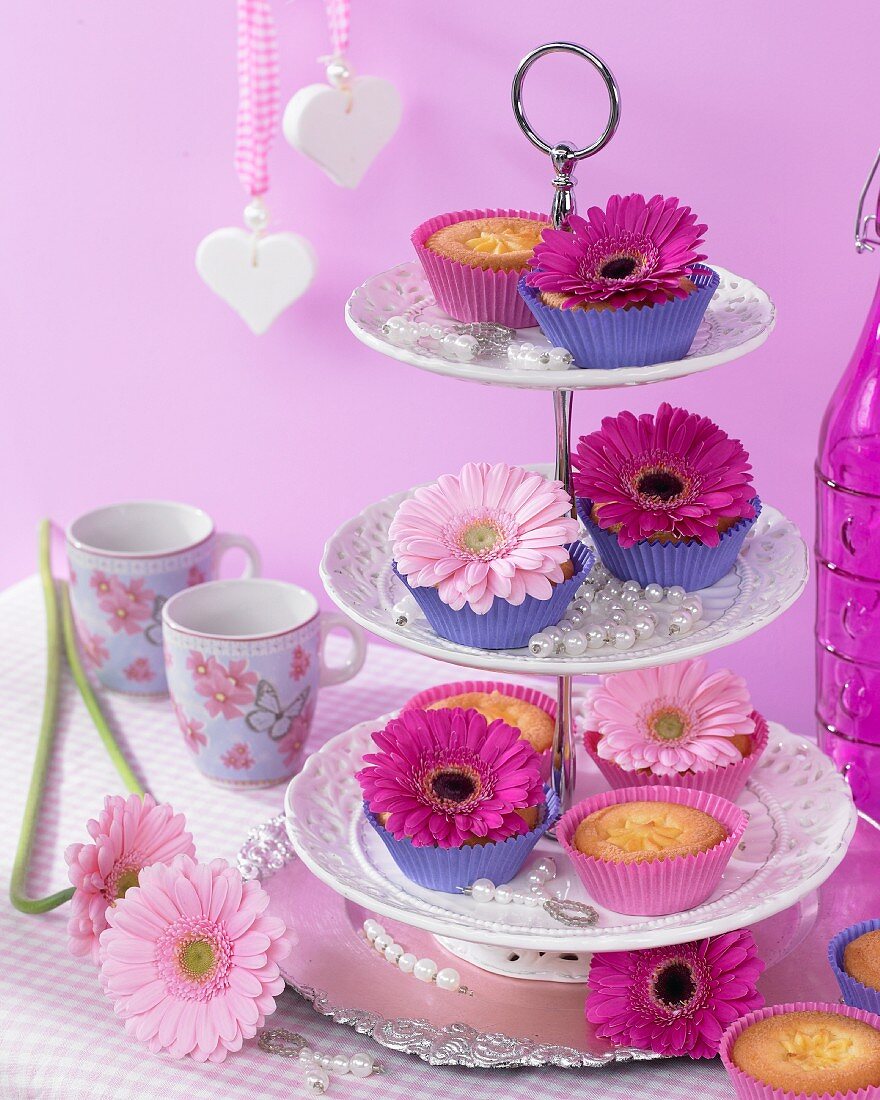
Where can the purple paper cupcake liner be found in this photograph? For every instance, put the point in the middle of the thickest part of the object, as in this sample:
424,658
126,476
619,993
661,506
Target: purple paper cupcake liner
504,626
854,993
451,869
603,339
473,293
688,563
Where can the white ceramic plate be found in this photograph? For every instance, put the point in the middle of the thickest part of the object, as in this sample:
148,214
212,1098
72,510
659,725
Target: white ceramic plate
801,821
739,319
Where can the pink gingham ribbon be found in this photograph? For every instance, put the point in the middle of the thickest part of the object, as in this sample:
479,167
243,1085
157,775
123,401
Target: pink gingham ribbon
339,23
258,102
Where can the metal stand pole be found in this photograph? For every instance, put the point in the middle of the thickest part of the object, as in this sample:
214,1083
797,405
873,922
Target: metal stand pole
563,761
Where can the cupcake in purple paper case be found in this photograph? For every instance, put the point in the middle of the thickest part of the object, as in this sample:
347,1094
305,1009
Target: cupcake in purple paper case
666,498
650,851
805,1050
854,955
488,554
473,260
622,287
455,798
675,725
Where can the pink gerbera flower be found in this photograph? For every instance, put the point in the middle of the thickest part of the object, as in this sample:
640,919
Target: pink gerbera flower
674,1000
635,252
491,531
672,719
226,691
190,960
675,472
128,835
444,776
125,612
191,728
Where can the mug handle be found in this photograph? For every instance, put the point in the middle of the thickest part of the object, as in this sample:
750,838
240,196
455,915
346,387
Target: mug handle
226,541
338,674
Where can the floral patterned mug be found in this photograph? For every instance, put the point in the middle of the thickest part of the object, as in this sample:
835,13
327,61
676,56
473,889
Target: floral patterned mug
245,660
126,560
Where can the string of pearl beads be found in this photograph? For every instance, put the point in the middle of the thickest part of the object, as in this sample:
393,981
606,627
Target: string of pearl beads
544,871
426,970
317,1067
464,347
610,612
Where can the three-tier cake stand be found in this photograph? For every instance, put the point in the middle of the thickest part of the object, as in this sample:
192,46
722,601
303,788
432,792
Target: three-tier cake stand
801,815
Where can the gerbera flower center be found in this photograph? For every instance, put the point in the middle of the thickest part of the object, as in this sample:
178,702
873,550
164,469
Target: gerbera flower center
618,267
193,956
196,958
454,784
669,724
123,875
125,882
661,485
674,984
481,535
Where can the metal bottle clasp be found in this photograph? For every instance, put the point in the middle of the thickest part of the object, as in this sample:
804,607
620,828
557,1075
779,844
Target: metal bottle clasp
864,243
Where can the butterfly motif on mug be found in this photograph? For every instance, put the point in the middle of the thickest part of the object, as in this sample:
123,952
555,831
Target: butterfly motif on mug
153,632
269,716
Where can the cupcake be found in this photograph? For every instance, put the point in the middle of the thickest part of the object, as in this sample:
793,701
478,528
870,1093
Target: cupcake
653,850
666,498
675,725
854,955
489,554
473,260
455,798
623,286
803,1051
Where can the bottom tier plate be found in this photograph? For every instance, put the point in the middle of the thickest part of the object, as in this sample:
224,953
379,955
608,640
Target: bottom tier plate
508,1023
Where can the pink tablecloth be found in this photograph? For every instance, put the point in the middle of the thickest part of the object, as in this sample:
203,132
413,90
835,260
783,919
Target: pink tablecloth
58,1034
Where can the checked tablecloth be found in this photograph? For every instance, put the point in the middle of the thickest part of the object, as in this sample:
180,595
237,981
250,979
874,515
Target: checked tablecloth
59,1037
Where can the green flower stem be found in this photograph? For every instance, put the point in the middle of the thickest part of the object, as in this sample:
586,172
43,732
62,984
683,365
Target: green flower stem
46,738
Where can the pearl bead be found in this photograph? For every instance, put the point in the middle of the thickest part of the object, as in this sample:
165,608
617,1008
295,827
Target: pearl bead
603,601
531,359
449,979
425,969
564,627
680,622
503,895
693,605
325,1061
617,617
536,878
382,941
540,645
640,607
361,1065
256,216
465,347
644,625
559,358
554,634
654,593
576,618
575,643
340,1065
547,866
675,595
600,574
586,593
436,332
519,897
372,928
317,1081
483,890
596,636
628,599
623,637
393,952
532,902
407,962
338,73
582,604
632,586
614,587
306,1057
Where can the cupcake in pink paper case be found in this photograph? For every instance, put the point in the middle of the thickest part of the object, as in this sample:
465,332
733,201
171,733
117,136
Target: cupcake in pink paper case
649,851
666,497
473,260
676,725
455,798
489,554
622,287
806,1050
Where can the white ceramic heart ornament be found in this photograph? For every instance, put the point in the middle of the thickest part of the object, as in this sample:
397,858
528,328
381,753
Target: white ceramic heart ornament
259,276
343,128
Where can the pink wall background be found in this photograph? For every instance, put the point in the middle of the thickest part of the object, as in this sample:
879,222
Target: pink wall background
125,377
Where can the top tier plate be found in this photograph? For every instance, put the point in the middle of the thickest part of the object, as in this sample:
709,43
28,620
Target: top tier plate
739,319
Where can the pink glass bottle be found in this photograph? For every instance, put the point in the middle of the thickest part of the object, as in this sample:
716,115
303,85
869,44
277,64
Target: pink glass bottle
848,561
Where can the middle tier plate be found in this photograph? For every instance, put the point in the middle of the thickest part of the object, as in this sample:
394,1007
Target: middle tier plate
801,821
769,575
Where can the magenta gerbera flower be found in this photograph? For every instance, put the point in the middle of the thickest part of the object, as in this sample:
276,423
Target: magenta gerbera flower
675,472
446,776
674,1000
635,252
191,960
672,719
128,835
490,531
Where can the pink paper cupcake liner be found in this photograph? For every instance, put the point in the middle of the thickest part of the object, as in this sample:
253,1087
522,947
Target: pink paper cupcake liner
473,293
660,886
726,782
748,1087
529,695
854,993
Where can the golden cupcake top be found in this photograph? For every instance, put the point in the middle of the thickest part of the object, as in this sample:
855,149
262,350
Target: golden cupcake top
501,244
535,724
633,832
810,1051
861,959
